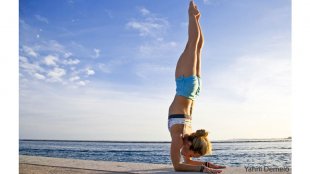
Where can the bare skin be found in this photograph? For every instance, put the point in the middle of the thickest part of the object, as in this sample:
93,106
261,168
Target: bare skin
188,64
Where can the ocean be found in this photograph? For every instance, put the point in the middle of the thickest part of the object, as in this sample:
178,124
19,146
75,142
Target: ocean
271,152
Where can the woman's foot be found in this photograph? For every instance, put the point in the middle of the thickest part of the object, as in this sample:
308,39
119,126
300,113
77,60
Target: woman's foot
198,16
192,10
214,166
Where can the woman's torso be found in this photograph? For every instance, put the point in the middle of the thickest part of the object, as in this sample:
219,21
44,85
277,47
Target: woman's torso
180,105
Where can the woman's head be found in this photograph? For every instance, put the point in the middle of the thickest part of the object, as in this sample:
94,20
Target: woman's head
199,142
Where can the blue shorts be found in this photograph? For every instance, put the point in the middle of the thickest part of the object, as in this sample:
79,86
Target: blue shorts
188,87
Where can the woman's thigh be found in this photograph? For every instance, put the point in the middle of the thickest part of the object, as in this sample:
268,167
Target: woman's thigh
187,62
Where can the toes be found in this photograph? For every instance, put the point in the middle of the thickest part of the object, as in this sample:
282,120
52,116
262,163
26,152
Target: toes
191,3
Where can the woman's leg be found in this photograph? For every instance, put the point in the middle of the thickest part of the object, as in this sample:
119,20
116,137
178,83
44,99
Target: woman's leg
187,63
199,48
198,65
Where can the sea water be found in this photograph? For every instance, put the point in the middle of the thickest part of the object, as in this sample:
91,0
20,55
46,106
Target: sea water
273,153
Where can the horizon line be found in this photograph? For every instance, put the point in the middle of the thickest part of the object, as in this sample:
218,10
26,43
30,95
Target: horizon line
124,141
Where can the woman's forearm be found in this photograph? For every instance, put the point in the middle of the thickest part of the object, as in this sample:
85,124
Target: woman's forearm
187,167
195,162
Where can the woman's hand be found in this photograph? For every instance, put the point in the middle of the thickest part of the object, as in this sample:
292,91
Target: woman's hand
211,171
214,166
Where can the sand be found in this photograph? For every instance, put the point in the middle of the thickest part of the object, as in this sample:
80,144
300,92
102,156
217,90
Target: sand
47,165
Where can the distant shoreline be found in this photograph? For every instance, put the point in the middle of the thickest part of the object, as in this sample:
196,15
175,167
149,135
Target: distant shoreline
216,141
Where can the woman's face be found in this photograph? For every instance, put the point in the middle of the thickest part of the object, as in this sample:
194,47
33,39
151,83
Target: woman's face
189,153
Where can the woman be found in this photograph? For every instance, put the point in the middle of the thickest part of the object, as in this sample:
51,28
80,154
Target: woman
184,142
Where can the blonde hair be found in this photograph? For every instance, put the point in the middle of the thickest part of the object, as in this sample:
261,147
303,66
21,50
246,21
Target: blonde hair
200,142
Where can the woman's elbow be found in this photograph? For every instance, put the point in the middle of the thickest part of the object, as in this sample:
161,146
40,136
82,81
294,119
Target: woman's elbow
177,168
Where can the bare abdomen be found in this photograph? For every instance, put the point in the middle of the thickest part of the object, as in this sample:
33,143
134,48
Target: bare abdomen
180,105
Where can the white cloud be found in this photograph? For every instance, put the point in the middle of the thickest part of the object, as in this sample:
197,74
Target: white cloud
144,11
251,78
39,76
154,27
23,59
150,25
51,46
89,71
41,19
157,49
56,74
51,60
52,72
104,68
30,68
29,51
148,28
97,52
71,61
72,79
82,83
148,70
56,46
67,54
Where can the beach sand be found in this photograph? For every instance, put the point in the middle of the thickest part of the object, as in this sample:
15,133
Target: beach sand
47,165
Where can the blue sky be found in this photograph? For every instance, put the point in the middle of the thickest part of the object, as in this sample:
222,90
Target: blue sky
104,70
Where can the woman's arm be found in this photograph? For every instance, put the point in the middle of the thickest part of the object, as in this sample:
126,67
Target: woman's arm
207,164
192,162
176,145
